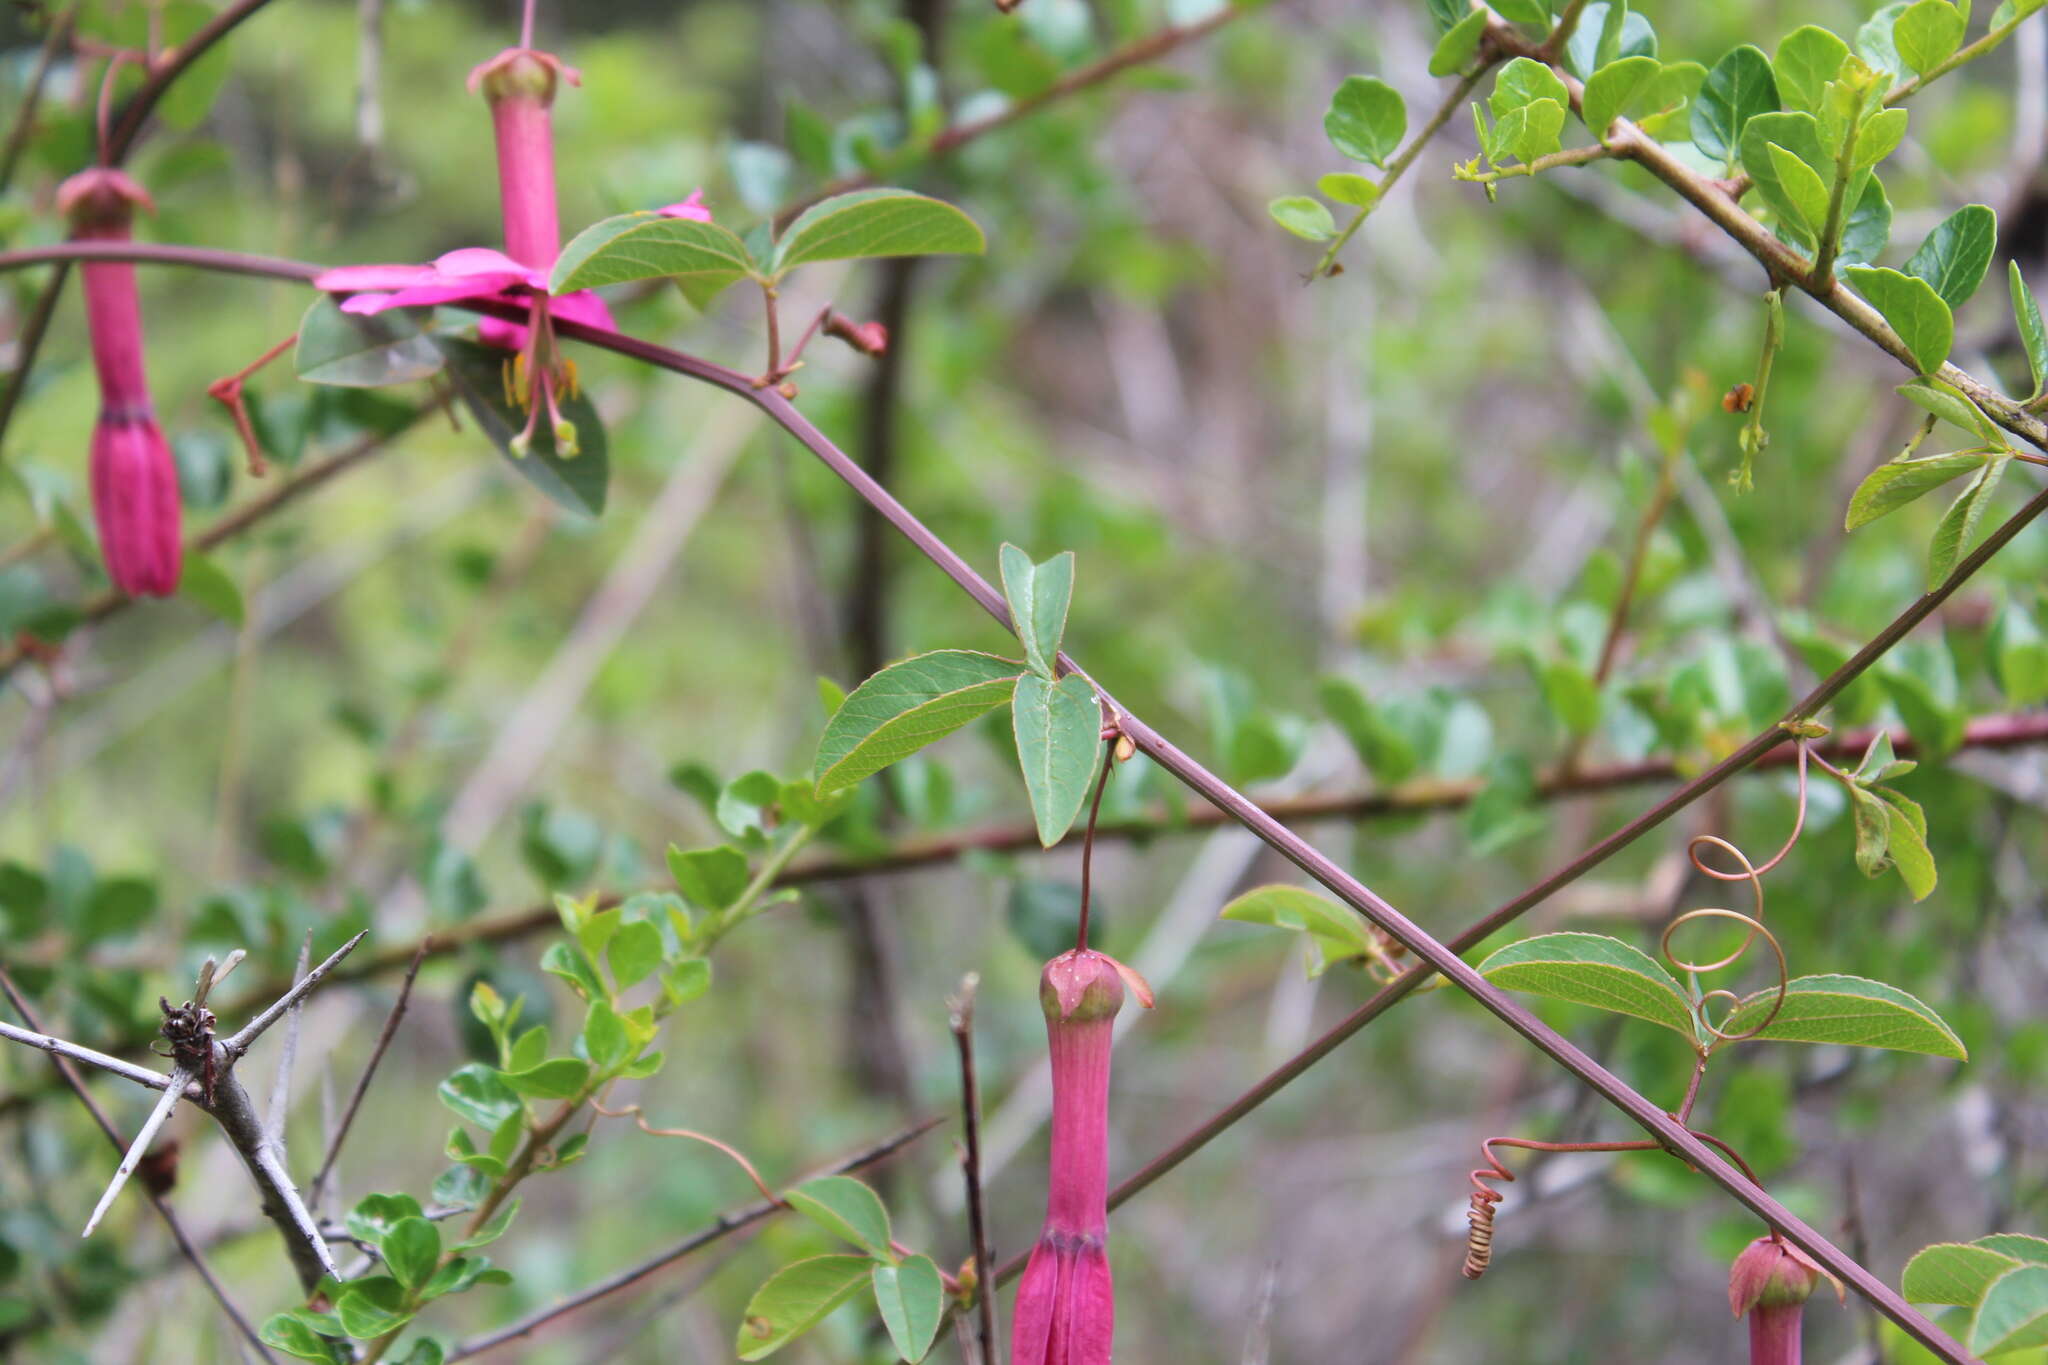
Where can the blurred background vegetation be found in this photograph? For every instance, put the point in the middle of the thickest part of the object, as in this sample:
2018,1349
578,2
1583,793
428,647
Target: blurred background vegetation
1423,475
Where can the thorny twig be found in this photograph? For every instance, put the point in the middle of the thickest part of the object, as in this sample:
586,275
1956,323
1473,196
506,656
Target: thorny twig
355,1099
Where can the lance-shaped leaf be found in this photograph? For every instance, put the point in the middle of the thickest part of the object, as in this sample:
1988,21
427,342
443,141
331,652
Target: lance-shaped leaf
2013,1314
878,222
912,1300
905,707
2033,336
1059,741
1953,533
1850,1010
795,1299
1592,969
1038,595
1895,483
702,258
1337,931
355,352
1953,1272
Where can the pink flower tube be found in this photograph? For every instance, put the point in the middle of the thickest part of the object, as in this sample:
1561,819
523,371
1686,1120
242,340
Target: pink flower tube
1066,1305
134,479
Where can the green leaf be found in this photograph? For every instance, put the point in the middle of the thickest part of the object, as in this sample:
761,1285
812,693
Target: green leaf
1737,89
1804,189
1807,59
296,1338
576,482
1384,746
1795,133
1952,535
1605,34
566,960
376,1214
1895,483
2019,656
1954,407
425,1351
1614,90
557,1079
605,1040
1038,595
1927,34
1677,85
352,351
702,258
1525,81
115,908
1849,1010
1304,217
372,1306
1059,736
795,1299
847,1209
1914,310
1952,1272
412,1251
477,1093
1878,138
1869,227
1874,40
1346,187
711,878
1571,694
1957,253
912,1301
2013,1313
877,222
1906,842
2018,1245
2027,314
1873,832
635,952
492,1230
1523,11
1459,45
907,706
1535,129
1366,119
1592,969
1338,933
465,1272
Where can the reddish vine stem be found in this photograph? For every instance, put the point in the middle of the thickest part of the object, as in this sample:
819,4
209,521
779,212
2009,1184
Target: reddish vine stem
1088,841
1433,955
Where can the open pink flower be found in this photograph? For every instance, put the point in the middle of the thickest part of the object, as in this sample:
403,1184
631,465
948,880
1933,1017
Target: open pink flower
1066,1304
134,479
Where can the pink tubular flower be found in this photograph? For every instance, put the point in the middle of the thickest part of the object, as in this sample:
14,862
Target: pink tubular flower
134,479
1771,1282
1066,1305
520,84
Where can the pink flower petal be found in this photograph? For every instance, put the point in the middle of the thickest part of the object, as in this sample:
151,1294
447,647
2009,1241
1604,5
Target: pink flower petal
692,208
135,501
562,69
350,279
481,263
584,307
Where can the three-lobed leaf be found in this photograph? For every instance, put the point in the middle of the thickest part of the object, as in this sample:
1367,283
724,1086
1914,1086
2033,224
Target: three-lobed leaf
907,706
1366,119
876,222
1596,970
1913,308
1849,1010
1058,727
795,1299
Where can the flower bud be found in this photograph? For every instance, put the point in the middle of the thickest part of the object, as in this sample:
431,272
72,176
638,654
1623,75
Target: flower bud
135,503
1770,1283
